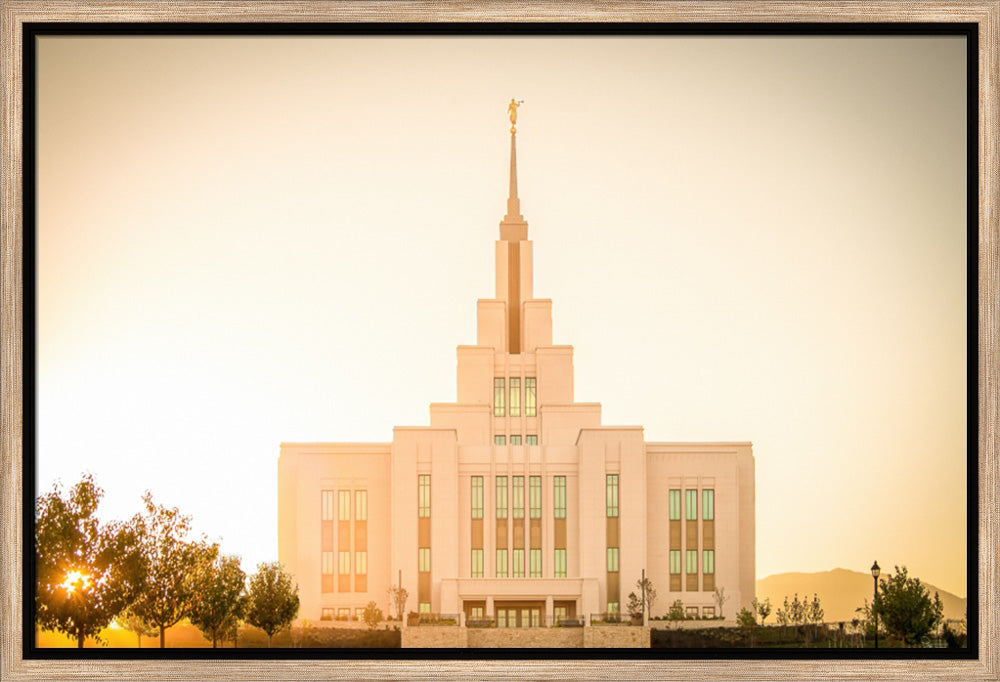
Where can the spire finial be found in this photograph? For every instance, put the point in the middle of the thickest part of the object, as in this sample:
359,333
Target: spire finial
512,110
513,203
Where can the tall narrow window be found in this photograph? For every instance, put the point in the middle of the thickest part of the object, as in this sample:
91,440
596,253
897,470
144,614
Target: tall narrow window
499,440
344,497
559,497
708,561
559,563
612,490
515,440
518,498
501,497
692,505
518,563
424,559
531,440
675,505
361,563
424,495
328,505
612,559
327,563
501,563
529,396
345,562
675,562
708,505
477,497
515,397
360,505
498,397
535,499
535,566
692,561
477,563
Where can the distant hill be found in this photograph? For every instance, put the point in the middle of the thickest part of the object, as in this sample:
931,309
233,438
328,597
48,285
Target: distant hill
840,591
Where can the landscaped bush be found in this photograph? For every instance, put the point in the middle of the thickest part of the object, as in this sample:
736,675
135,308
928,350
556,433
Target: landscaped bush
323,637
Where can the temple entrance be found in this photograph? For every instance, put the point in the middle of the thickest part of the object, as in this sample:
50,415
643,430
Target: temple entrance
519,614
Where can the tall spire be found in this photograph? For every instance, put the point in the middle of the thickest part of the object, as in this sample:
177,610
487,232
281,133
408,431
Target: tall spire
513,203
513,227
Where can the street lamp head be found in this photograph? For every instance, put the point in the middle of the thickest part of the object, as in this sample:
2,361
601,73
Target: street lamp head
875,570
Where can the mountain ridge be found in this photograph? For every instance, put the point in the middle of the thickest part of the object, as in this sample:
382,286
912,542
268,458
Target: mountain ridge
840,591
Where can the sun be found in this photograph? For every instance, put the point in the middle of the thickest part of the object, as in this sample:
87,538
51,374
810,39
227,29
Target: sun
75,579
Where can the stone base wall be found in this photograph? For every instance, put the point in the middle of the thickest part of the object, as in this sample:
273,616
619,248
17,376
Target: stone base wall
552,638
598,636
434,637
616,637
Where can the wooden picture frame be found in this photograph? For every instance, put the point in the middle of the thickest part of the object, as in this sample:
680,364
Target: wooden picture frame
984,13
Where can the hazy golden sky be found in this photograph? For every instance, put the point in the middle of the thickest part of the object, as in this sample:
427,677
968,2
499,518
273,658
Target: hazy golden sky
245,241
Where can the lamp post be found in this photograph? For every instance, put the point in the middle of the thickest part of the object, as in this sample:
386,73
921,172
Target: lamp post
875,572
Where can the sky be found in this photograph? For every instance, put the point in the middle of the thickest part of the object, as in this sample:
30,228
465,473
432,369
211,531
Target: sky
249,241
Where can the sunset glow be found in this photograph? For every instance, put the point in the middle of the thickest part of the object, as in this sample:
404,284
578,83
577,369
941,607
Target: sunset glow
74,580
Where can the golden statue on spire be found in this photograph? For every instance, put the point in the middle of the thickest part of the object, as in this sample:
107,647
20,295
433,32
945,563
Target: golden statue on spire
512,110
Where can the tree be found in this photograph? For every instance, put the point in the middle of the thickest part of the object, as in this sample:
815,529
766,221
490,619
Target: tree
217,597
646,589
133,623
173,566
372,615
747,622
676,612
720,598
397,599
797,611
274,601
85,573
634,605
762,608
814,612
905,608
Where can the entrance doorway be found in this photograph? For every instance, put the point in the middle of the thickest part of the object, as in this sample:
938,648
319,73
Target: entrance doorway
527,614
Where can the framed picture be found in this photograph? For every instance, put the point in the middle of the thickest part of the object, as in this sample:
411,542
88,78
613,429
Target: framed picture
241,243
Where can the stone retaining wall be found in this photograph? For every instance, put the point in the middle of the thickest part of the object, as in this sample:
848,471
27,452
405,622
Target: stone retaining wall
598,636
616,636
553,638
434,637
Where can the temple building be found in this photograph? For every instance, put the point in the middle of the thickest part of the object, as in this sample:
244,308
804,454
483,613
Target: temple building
515,504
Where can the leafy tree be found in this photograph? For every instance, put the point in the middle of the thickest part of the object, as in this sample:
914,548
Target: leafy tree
634,605
174,565
747,622
85,573
797,611
274,601
372,615
904,606
762,608
133,623
216,604
397,598
814,612
783,615
645,586
676,612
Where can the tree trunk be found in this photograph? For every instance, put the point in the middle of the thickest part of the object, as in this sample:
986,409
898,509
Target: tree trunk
79,639
213,639
163,637
268,640
139,638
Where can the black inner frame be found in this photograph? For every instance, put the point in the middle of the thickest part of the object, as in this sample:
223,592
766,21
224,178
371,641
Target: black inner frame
32,31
